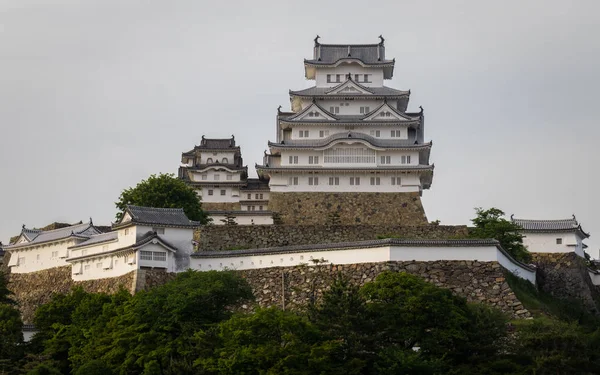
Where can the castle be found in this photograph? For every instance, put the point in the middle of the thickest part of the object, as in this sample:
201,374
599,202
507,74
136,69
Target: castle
341,185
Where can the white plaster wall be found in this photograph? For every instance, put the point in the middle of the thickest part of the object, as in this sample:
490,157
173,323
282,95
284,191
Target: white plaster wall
515,268
250,195
120,266
169,263
434,253
181,239
303,157
595,277
410,182
232,194
40,257
210,175
245,220
546,242
216,156
128,236
367,255
343,69
385,131
96,248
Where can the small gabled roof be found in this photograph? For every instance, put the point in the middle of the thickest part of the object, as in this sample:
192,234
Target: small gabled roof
140,243
313,107
385,107
36,236
549,226
173,217
372,54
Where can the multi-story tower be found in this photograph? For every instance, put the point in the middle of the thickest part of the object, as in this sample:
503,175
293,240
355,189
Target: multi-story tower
349,151
215,169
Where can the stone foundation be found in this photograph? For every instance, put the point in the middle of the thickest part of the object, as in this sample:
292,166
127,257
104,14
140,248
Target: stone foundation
565,276
221,206
223,237
36,288
294,287
348,208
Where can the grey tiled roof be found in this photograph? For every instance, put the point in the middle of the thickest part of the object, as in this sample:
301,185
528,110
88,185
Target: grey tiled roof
84,230
350,135
348,245
256,184
158,216
97,239
322,91
217,143
241,213
140,241
371,54
559,225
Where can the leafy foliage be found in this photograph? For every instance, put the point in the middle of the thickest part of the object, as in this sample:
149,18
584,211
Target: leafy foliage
397,324
163,191
490,224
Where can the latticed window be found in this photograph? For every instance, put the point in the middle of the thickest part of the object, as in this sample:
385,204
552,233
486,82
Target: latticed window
159,256
349,155
146,255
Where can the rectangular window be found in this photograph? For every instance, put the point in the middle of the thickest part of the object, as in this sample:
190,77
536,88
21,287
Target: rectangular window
396,181
126,231
260,208
249,196
204,177
375,181
55,254
223,192
159,256
559,241
217,177
328,78
313,160
338,78
210,192
313,180
375,133
252,208
367,78
364,110
334,109
293,181
229,177
334,180
396,134
145,255
255,196
260,196
385,159
86,267
323,133
293,159
405,159
354,180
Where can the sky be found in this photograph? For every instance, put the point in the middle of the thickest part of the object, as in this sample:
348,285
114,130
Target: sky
97,95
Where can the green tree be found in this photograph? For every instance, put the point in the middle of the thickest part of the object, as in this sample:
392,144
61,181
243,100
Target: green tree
491,224
5,293
163,191
11,338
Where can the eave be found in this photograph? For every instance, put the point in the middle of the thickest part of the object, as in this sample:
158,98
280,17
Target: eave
406,168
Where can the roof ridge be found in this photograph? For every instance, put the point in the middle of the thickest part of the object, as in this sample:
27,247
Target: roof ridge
545,220
156,208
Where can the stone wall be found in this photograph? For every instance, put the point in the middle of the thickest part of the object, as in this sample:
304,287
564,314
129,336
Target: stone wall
34,289
565,276
232,206
352,208
224,237
294,287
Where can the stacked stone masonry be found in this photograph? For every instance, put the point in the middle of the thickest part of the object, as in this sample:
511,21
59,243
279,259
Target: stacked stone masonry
34,289
565,276
294,287
220,206
349,208
223,237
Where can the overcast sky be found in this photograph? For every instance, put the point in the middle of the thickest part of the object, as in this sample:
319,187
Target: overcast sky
97,95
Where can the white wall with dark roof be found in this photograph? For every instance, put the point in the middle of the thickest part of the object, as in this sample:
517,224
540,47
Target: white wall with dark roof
41,257
547,242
